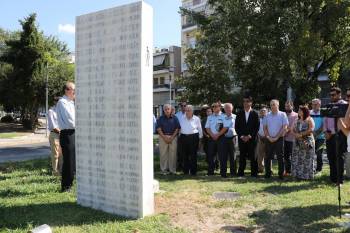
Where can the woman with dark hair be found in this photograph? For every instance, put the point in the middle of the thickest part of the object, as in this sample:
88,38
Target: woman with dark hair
303,158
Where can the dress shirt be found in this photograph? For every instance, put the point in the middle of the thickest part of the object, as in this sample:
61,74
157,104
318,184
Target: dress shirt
246,115
261,128
180,116
275,122
229,123
215,122
292,118
65,113
191,126
52,119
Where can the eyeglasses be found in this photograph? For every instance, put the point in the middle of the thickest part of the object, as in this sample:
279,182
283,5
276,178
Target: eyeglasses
69,89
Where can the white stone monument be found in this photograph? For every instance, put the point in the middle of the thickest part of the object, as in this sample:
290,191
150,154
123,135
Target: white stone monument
114,130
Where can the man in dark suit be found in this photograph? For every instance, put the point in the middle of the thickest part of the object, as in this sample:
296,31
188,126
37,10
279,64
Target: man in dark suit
247,126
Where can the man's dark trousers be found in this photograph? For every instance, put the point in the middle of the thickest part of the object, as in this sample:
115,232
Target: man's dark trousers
230,152
288,150
247,151
319,152
332,158
272,149
213,147
189,151
67,142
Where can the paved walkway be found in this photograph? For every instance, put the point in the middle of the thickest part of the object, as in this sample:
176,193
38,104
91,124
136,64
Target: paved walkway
33,146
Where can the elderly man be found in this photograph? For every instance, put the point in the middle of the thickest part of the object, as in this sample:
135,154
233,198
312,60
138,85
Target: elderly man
247,127
289,137
54,139
66,123
215,128
318,132
191,132
275,127
336,171
167,127
229,141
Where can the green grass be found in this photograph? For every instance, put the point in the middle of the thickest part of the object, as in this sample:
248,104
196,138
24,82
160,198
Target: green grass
29,197
10,135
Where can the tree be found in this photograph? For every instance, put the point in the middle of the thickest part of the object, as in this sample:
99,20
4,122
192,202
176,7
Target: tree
23,87
270,45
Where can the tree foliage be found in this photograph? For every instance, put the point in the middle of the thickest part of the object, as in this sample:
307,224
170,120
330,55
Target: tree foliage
26,57
269,45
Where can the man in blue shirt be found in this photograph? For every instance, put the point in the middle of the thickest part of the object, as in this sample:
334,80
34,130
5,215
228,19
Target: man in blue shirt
318,132
66,123
216,130
168,127
275,127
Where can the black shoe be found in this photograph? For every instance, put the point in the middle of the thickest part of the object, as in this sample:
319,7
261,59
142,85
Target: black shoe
267,176
281,177
224,176
254,175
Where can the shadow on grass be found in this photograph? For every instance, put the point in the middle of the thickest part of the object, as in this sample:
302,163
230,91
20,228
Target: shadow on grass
12,193
53,214
296,219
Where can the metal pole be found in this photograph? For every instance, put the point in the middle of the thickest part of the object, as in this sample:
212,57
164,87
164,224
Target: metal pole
169,87
47,99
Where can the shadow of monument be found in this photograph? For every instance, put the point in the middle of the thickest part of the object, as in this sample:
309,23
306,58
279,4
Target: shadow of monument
53,214
296,219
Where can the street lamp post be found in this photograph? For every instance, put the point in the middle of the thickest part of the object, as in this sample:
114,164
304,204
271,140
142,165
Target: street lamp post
47,99
171,69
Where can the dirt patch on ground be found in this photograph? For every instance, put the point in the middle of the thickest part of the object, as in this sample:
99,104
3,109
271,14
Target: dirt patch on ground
200,213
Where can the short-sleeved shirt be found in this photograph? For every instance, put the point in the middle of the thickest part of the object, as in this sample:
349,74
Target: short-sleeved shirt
318,119
292,118
229,123
168,125
215,122
65,110
275,122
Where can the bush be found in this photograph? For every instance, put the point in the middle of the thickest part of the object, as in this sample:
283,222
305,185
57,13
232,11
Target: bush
7,119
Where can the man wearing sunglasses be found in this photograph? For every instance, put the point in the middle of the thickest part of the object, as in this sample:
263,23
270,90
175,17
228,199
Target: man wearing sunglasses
180,116
66,123
329,130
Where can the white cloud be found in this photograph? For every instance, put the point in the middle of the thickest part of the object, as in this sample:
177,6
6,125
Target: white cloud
66,28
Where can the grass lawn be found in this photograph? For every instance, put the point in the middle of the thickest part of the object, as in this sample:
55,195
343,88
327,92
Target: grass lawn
29,197
11,135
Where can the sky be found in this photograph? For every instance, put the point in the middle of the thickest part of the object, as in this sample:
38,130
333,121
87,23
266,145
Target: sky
58,17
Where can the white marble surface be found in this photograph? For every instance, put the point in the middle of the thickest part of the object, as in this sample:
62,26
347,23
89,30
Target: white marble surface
114,141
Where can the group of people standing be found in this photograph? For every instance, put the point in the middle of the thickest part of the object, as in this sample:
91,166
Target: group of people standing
295,139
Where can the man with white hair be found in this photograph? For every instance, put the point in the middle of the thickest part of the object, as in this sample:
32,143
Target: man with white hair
191,132
275,127
168,127
66,123
229,141
318,132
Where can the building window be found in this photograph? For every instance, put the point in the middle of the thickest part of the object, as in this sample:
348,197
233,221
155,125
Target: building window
161,81
155,81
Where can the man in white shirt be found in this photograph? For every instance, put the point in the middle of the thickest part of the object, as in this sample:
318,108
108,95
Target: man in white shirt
191,132
54,139
229,141
66,122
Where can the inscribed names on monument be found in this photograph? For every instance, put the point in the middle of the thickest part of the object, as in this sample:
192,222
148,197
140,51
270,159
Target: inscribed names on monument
114,141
